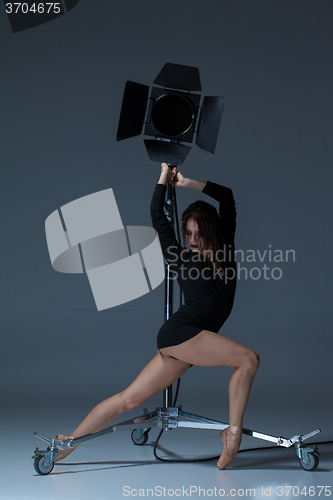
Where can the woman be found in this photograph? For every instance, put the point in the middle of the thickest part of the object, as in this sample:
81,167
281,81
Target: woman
206,273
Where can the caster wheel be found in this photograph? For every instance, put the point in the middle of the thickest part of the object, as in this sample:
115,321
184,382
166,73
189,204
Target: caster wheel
313,464
142,440
39,466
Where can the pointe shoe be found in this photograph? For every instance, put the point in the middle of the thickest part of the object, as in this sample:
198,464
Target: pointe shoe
64,453
232,438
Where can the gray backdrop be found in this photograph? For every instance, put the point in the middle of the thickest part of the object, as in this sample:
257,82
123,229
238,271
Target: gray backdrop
62,87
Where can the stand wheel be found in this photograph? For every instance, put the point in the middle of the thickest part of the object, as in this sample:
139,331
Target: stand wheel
39,466
142,440
313,464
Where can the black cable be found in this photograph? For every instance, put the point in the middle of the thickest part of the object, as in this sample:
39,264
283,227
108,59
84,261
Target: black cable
161,432
177,391
174,200
178,460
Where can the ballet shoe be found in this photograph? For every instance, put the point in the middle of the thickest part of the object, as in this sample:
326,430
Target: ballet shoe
232,438
64,453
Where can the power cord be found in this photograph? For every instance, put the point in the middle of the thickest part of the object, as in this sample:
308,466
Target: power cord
161,432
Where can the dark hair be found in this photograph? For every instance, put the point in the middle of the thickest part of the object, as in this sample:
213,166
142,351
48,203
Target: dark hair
207,218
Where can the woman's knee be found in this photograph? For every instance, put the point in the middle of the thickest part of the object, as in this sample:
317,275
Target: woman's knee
130,400
252,360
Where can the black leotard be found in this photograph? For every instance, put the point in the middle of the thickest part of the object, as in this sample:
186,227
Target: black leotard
208,296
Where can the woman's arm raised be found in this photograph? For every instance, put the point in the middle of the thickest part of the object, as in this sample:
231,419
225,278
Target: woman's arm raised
176,179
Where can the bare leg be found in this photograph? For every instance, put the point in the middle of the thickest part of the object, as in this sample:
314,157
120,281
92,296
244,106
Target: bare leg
211,349
160,372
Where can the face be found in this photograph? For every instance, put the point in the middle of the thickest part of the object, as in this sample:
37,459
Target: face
193,238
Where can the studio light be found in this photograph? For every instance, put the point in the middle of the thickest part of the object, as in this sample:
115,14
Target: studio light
171,115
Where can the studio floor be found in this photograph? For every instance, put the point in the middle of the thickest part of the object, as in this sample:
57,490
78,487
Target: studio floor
112,467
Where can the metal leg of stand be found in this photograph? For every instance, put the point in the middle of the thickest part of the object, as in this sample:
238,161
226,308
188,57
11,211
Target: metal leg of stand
173,417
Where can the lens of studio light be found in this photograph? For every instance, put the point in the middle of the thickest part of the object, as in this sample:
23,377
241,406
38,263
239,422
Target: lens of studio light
172,115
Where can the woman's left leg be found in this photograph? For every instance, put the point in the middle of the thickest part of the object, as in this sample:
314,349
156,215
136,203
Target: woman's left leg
158,374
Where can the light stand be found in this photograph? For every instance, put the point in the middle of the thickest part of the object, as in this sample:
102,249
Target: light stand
162,114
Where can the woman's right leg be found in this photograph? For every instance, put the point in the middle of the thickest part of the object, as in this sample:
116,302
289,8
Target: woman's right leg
211,349
158,374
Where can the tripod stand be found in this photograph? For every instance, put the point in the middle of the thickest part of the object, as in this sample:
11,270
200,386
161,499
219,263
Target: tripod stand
168,416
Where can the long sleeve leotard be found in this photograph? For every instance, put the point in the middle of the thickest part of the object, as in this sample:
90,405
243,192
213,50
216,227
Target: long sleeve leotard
208,295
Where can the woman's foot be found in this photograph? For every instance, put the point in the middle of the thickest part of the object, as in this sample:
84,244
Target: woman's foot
64,453
232,438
